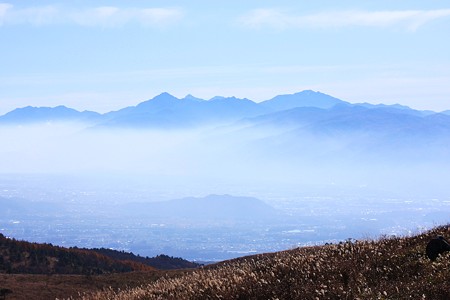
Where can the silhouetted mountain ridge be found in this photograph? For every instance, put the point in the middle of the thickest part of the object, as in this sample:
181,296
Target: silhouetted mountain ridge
167,111
315,109
31,114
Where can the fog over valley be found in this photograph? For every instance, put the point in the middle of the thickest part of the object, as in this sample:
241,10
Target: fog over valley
214,179
298,142
227,149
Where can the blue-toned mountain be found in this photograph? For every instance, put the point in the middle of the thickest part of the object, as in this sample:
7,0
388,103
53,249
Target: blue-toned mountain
306,98
310,110
32,114
167,111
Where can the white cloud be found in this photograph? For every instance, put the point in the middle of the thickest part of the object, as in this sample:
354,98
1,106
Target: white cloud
407,19
38,15
4,7
105,16
109,16
152,16
10,15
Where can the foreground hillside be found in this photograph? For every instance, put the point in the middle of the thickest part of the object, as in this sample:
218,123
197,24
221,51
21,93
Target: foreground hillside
22,257
44,271
58,286
390,268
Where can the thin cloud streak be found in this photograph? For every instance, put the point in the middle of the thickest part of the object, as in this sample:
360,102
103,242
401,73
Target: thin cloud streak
35,16
410,20
115,17
4,7
104,16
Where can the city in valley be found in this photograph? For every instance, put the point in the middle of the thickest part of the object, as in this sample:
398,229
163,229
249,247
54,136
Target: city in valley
67,211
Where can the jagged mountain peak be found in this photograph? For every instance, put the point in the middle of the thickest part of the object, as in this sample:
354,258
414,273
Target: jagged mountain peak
164,97
168,111
161,101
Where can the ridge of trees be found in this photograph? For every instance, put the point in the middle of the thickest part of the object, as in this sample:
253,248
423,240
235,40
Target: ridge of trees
162,261
36,258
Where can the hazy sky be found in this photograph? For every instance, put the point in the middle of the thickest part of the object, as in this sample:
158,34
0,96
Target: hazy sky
104,55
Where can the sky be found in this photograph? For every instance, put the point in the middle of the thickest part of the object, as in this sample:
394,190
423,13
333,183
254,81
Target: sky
106,55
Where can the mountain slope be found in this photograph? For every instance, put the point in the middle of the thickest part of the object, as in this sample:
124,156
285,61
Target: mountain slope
212,207
350,133
390,268
347,117
33,258
306,98
21,257
13,207
161,262
167,111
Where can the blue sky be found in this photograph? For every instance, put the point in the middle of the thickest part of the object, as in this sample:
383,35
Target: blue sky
104,55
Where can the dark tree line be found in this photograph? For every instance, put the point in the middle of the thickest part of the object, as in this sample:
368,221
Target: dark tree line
162,262
33,258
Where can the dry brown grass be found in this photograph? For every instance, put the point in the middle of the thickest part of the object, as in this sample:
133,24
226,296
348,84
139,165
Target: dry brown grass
389,268
44,287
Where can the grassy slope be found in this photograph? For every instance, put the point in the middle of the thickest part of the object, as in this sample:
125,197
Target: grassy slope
394,268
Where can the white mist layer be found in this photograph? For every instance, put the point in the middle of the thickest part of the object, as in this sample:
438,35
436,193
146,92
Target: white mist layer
229,155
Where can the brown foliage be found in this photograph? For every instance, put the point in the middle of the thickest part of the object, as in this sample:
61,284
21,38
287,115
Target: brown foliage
161,262
389,268
44,287
21,257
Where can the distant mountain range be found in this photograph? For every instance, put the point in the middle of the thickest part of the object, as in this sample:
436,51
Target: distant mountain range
31,114
307,125
166,111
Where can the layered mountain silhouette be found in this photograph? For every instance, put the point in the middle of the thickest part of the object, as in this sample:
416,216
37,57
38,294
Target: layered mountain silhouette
167,111
31,114
306,110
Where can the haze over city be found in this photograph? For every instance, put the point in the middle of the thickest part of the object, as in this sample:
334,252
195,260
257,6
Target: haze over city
331,120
